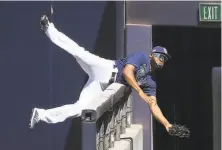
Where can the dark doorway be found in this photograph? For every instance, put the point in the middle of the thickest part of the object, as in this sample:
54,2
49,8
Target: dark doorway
184,85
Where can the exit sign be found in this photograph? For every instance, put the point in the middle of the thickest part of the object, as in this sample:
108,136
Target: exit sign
210,12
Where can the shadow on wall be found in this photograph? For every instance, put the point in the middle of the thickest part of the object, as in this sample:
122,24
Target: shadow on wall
105,47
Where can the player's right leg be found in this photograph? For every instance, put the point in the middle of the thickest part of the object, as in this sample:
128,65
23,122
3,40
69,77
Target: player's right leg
89,62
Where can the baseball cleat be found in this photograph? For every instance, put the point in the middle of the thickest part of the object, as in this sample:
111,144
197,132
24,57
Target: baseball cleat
44,22
34,119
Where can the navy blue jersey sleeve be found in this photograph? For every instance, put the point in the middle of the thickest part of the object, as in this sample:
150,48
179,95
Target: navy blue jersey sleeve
136,59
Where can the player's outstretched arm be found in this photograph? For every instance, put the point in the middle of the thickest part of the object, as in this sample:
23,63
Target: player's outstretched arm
156,111
172,129
128,74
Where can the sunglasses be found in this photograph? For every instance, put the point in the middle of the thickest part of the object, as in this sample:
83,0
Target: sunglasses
161,57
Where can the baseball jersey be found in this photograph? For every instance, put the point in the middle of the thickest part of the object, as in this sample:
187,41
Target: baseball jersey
145,79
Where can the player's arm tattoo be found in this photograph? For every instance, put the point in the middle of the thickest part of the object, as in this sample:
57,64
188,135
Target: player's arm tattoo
128,73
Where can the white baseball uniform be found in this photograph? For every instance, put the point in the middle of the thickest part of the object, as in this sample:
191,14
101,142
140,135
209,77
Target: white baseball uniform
98,69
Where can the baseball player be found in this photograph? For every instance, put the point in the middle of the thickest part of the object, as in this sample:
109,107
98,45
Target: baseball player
136,70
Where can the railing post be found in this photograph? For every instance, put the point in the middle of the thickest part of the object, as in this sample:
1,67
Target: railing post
88,126
129,111
112,130
123,120
97,140
118,123
101,135
107,123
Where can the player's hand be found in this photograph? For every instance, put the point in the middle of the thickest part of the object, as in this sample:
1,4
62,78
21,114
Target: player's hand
144,97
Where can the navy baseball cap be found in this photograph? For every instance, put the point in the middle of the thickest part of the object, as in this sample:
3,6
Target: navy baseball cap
162,50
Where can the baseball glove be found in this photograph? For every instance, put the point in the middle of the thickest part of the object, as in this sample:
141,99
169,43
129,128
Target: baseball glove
179,131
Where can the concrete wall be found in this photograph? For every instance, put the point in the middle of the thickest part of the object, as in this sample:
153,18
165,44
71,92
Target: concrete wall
131,140
163,12
216,90
139,38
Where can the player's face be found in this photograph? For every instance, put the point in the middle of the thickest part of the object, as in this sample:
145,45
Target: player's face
160,57
158,60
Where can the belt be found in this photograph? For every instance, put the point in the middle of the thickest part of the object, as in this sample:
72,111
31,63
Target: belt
113,76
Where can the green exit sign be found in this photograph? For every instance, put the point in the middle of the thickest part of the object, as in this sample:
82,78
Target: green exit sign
210,12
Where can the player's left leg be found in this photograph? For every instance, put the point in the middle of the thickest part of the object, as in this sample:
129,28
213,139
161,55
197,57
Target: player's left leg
91,90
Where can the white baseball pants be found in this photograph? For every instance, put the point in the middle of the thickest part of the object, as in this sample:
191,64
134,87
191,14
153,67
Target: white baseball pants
98,69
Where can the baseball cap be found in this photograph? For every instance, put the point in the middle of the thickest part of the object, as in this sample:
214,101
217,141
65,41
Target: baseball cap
160,49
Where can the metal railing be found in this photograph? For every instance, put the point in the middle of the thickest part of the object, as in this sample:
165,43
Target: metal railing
103,123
